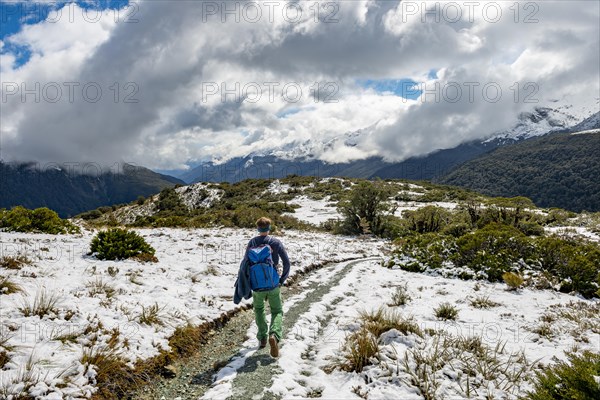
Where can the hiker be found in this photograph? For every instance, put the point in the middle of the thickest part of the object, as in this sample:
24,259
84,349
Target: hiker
258,278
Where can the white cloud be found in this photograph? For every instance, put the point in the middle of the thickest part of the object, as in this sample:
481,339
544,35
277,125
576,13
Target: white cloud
176,49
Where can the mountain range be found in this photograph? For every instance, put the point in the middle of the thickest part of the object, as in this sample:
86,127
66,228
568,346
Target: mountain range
485,165
298,159
555,170
70,193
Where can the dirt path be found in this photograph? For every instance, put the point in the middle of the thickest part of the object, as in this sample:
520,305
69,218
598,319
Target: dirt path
248,371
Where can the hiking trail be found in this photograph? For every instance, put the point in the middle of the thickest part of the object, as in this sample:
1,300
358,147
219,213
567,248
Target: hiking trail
242,370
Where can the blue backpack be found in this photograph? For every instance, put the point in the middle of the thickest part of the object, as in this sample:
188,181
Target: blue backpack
263,274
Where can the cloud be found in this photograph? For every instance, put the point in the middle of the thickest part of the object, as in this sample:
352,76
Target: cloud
184,81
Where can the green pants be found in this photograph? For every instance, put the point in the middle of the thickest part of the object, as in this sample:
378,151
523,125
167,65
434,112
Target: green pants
274,297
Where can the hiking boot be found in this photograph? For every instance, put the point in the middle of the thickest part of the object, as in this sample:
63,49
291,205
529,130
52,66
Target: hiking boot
274,347
263,343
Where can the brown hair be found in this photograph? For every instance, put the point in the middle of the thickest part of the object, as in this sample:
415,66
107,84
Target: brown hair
263,222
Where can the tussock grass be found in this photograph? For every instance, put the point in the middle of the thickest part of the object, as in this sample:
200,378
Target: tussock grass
483,302
4,358
401,296
360,347
446,312
151,315
512,280
545,329
586,315
43,304
382,320
17,388
14,262
114,378
99,287
8,287
212,270
483,368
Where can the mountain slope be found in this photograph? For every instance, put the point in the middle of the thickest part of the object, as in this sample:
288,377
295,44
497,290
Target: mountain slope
299,158
557,170
69,194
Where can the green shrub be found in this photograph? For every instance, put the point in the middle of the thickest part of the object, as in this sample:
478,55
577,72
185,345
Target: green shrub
43,220
456,229
572,380
118,244
427,219
576,264
558,216
430,249
531,228
88,215
364,211
18,219
493,250
169,202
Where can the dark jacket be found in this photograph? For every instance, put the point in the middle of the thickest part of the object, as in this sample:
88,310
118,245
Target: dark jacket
242,284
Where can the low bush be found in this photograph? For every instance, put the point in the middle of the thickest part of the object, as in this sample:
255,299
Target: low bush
576,379
119,244
428,248
493,250
42,220
575,263
427,219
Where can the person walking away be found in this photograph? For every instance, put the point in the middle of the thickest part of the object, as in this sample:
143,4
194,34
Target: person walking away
258,277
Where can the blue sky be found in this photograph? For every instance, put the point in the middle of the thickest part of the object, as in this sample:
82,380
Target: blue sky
14,15
399,87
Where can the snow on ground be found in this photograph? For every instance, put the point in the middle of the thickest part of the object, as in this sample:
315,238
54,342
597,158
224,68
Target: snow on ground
276,187
314,211
370,286
199,195
573,231
318,211
402,206
193,281
586,132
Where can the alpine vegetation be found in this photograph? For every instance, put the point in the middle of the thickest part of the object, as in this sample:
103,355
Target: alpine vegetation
392,307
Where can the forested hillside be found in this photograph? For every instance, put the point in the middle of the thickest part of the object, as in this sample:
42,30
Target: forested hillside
559,170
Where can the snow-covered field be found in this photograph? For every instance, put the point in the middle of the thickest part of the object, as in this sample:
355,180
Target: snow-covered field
314,211
315,343
193,281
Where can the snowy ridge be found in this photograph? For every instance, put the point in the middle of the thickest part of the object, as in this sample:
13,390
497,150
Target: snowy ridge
588,124
198,195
